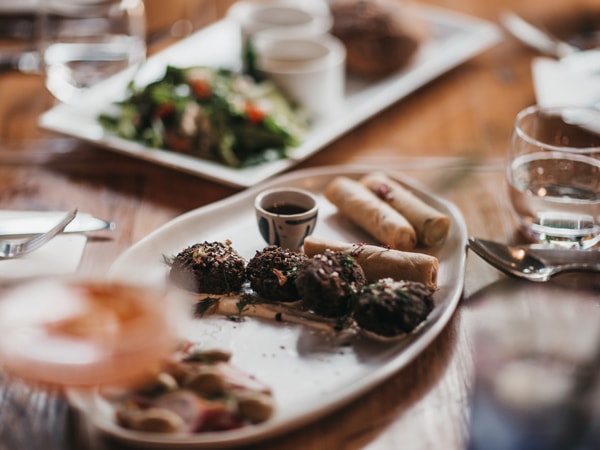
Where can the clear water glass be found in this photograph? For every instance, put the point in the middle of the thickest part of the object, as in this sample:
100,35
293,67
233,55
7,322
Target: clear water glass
553,175
83,42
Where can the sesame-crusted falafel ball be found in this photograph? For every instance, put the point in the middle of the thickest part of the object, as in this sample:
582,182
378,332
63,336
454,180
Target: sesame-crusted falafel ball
328,283
272,273
391,308
209,267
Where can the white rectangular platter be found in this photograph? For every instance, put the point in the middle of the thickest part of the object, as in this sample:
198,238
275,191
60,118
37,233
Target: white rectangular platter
455,38
309,372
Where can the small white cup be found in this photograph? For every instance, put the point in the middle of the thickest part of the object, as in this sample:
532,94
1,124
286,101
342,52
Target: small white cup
285,216
310,69
296,18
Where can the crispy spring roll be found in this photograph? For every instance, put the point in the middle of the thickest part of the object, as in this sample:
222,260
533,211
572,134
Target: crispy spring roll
431,225
380,262
369,212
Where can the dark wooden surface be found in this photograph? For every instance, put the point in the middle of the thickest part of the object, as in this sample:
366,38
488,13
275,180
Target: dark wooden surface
466,113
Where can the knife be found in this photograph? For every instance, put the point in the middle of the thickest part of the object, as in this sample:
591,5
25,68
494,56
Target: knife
24,223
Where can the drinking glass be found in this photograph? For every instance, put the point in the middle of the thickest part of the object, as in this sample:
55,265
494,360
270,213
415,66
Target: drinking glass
84,332
86,41
553,175
536,380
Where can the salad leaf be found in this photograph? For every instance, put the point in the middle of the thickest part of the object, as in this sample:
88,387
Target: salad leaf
215,114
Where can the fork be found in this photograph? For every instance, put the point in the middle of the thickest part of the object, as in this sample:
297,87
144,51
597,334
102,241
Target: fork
13,249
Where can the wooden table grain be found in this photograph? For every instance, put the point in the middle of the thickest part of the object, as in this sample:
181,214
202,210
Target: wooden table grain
465,115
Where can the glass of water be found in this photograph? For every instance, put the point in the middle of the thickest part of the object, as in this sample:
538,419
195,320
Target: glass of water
553,175
86,41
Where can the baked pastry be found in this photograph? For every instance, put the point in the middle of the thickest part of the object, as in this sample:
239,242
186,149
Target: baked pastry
431,225
366,210
381,36
381,262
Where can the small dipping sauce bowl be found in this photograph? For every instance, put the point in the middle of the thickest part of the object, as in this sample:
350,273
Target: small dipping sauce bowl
285,216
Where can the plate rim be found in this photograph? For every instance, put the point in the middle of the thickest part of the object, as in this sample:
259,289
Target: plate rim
274,427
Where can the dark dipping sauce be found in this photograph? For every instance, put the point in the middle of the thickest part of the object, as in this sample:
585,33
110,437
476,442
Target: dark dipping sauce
286,209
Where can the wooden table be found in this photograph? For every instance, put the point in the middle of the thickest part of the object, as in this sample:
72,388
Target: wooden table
466,113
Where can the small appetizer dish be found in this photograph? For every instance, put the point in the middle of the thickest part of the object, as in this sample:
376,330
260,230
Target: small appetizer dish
286,216
194,391
239,114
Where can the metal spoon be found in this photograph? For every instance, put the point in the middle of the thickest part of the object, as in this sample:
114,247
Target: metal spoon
534,264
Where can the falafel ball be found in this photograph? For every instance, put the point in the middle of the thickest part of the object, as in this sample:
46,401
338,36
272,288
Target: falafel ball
272,273
391,308
209,267
328,283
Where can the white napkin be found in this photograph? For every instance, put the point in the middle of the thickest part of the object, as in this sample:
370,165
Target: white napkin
565,83
60,256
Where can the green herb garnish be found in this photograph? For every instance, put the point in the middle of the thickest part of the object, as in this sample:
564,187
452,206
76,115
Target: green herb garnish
202,306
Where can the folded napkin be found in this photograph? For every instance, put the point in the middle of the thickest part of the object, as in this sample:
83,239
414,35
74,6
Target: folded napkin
60,256
565,82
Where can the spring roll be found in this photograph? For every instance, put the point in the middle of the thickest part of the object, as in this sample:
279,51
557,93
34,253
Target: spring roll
370,213
380,262
431,225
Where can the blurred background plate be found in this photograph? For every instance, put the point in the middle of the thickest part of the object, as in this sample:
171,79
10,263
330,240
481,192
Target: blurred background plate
454,39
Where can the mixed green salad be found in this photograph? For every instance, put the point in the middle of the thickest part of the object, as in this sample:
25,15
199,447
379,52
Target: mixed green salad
215,114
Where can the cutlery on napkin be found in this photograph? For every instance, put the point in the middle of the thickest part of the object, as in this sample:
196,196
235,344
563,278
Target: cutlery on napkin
60,256
23,223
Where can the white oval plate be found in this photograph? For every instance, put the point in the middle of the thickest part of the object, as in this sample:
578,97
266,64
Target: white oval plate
310,376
